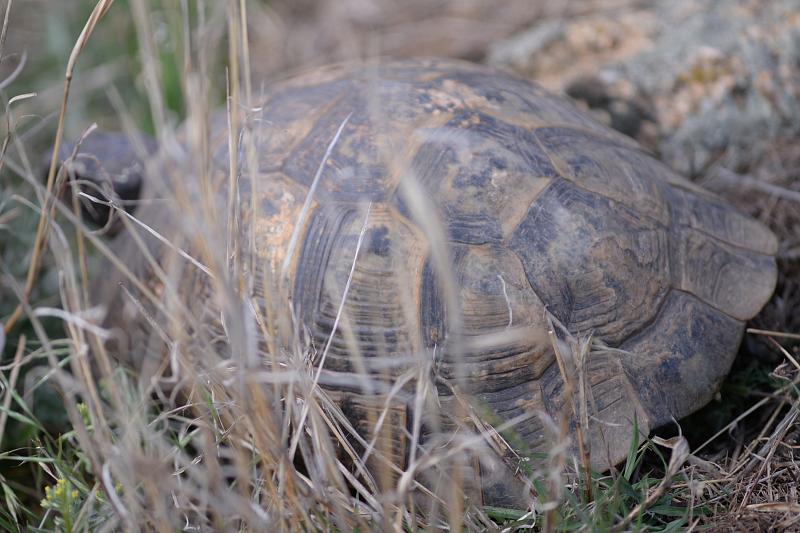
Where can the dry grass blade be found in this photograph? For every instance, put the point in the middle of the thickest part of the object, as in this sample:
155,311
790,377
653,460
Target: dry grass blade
766,452
12,381
755,407
584,392
70,387
97,14
15,74
234,251
4,32
785,353
166,242
779,334
81,301
73,319
568,411
573,368
10,124
148,47
775,507
272,412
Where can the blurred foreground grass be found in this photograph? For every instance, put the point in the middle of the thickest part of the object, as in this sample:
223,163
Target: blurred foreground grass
55,449
37,445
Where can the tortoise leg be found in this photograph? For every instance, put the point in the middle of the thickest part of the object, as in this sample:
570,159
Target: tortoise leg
109,170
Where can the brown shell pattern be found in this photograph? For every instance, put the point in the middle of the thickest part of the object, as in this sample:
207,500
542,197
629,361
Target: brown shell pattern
482,203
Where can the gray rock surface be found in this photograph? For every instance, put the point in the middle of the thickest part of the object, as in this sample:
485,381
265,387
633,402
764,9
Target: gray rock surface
700,83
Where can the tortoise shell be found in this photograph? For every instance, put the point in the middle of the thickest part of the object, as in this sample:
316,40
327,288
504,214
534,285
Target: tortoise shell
441,212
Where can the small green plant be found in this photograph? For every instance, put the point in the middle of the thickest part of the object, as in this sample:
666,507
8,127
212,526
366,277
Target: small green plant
64,501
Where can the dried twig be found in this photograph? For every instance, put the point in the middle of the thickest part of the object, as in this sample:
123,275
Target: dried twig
780,334
743,180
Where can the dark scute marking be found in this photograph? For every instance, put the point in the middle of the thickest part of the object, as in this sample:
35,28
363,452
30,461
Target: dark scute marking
474,229
379,241
485,378
557,138
324,229
552,385
581,163
349,410
476,167
515,401
375,324
382,115
531,242
503,343
286,106
610,168
734,280
432,162
362,410
722,221
354,170
478,179
269,207
678,362
596,265
374,343
515,139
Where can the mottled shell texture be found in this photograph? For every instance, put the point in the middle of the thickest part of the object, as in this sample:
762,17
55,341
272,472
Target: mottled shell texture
463,213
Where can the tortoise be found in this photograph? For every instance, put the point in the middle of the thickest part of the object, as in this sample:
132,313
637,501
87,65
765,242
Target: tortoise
447,209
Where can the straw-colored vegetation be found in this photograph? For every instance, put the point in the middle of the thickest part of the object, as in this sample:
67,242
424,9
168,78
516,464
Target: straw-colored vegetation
225,444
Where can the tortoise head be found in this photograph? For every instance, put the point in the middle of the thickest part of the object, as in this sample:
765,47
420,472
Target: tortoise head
109,168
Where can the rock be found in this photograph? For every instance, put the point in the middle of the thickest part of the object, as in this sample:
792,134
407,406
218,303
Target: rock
700,83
